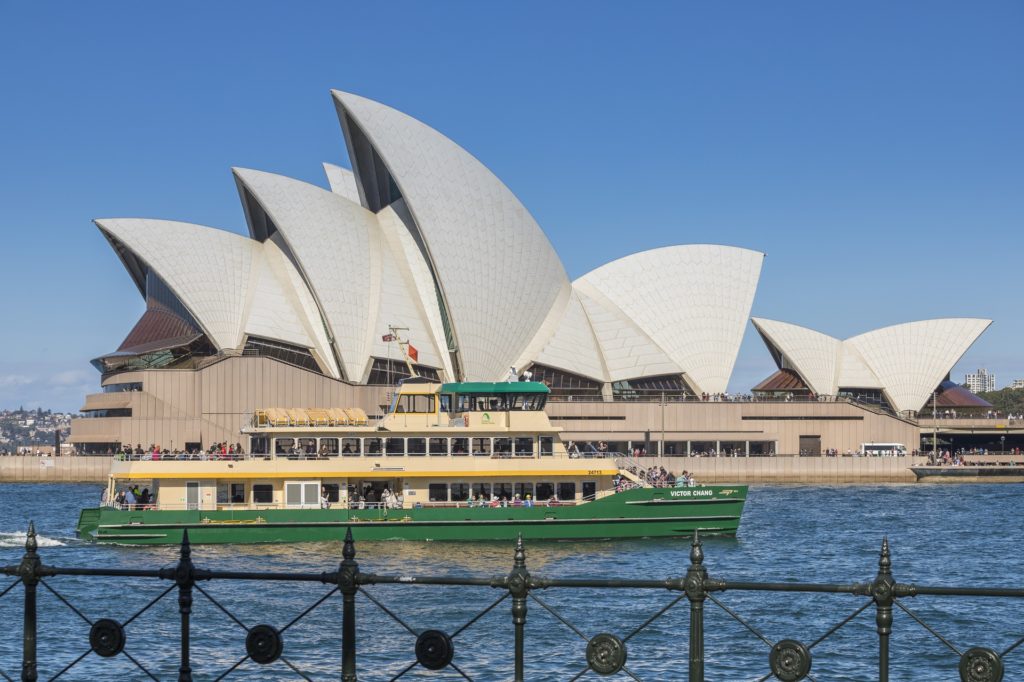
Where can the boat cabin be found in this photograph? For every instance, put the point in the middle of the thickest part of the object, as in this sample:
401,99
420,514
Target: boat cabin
438,445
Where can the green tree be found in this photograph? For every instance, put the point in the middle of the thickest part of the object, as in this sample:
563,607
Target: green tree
1006,401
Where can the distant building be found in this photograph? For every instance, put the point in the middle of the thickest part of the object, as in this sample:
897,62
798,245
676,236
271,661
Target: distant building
980,381
1017,383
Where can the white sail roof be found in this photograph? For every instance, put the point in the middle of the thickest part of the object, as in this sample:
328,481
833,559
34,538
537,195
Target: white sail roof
232,286
692,303
336,245
498,274
812,355
209,270
342,181
282,308
911,359
573,347
906,361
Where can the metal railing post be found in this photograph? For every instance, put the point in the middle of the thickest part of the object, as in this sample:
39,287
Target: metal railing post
348,570
882,592
519,588
184,576
29,572
696,574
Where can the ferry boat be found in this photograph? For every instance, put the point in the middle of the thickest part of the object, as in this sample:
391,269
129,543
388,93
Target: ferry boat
453,461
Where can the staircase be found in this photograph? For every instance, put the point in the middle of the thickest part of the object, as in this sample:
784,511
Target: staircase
624,463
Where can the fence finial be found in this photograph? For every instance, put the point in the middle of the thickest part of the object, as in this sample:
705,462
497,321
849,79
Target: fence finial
519,559
31,544
696,549
884,558
348,549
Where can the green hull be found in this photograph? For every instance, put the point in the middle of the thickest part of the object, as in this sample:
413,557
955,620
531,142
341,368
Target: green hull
638,513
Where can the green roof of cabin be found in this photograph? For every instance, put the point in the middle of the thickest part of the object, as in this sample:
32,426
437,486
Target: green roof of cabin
495,387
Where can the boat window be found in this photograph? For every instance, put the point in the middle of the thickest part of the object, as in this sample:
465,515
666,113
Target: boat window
547,445
503,491
524,489
437,492
333,491
589,490
259,445
503,447
482,447
459,492
524,447
307,446
417,446
373,447
328,447
438,446
545,490
302,494
350,447
460,446
262,493
230,493
418,404
482,490
283,446
567,491
394,446
446,403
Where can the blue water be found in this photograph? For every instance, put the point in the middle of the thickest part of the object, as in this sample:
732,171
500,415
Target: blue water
940,535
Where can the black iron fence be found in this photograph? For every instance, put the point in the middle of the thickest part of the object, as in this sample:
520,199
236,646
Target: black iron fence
606,654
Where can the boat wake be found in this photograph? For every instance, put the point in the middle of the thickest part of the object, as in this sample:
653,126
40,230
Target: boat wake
18,540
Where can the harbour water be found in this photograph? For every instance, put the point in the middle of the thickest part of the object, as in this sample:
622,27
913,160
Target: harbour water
940,535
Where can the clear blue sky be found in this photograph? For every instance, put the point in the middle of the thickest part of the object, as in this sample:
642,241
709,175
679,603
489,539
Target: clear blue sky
873,150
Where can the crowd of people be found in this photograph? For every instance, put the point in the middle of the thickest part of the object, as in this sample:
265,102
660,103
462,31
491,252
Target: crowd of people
588,449
155,452
658,477
131,498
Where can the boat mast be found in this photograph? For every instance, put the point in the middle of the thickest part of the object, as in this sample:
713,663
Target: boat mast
403,345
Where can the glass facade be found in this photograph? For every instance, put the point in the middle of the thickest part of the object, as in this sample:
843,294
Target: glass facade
285,352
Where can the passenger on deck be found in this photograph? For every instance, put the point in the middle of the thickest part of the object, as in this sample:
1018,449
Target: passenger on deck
528,502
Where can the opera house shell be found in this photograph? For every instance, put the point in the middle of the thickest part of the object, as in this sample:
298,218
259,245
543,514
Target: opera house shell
422,237
898,366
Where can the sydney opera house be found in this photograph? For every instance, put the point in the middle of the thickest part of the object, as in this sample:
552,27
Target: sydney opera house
419,252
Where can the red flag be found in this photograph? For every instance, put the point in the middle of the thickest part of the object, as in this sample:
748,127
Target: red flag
387,338
414,354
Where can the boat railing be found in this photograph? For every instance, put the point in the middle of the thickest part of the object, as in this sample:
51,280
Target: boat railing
342,504
314,456
187,457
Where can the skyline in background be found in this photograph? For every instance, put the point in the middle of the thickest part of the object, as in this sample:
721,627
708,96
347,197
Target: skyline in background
874,153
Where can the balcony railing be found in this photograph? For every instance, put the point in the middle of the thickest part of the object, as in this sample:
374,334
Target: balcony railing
606,653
